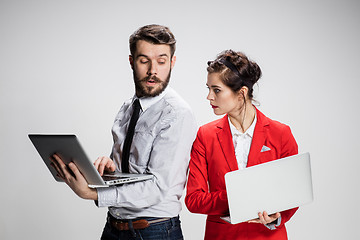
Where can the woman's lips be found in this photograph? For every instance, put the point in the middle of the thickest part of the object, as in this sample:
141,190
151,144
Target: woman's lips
213,106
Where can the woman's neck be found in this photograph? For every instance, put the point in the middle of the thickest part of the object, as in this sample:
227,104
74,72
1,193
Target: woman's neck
243,120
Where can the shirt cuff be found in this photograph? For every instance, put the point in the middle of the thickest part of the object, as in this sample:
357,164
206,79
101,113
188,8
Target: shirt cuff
274,225
106,197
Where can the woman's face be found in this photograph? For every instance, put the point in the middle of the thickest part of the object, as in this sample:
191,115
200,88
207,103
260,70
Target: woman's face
222,99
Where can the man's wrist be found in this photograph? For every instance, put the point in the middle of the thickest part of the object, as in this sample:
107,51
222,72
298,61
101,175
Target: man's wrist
91,194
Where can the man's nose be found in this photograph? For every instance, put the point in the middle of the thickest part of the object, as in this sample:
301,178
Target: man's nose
152,69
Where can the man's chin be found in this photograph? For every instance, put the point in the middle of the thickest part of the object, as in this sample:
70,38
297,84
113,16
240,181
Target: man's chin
151,91
146,88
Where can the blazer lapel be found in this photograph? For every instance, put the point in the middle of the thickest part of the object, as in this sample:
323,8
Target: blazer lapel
258,140
226,144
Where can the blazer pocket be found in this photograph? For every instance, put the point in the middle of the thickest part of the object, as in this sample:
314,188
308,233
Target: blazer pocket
267,156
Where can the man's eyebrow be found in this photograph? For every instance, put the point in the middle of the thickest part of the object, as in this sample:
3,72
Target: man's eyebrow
163,55
145,56
141,55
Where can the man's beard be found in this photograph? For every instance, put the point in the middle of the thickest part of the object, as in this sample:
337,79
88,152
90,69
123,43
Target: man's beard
150,91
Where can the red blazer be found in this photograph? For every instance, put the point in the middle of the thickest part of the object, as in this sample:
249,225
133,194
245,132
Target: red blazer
213,155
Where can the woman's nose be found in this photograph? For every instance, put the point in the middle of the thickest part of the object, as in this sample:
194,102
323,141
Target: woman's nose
210,96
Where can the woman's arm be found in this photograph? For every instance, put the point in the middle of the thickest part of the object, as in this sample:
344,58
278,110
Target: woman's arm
198,198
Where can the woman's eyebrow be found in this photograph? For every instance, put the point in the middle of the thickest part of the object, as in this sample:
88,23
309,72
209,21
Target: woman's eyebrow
214,86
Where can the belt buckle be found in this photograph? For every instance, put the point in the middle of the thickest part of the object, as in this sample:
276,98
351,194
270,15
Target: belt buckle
116,223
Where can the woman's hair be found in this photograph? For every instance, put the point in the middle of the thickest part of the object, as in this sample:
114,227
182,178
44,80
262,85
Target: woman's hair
236,70
155,34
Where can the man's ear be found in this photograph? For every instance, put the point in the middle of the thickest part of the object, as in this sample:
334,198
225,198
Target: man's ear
131,60
173,60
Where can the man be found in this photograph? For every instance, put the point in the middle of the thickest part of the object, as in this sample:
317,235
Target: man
161,146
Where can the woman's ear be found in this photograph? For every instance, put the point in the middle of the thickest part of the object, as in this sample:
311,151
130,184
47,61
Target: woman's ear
243,93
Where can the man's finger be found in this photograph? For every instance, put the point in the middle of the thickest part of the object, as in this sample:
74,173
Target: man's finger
74,171
57,169
110,166
97,162
56,163
66,172
101,167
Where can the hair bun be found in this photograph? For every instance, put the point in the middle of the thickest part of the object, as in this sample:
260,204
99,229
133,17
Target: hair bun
254,71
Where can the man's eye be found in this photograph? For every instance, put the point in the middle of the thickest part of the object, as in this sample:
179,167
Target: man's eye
143,60
161,62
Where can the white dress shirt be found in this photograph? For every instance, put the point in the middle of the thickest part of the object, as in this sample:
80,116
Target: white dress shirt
242,143
161,146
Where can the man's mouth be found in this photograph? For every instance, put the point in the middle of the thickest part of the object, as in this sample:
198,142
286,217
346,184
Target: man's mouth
151,80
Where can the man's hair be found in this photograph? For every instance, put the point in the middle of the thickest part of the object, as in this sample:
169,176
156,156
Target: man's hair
155,34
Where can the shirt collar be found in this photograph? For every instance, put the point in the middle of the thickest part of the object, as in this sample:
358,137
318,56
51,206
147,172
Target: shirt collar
146,102
249,131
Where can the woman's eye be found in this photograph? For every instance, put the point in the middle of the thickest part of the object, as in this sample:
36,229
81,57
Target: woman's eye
216,90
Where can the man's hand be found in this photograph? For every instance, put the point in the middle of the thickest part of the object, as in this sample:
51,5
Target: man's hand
73,178
104,164
264,218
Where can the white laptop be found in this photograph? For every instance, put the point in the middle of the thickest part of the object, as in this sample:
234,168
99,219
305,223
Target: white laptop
272,187
70,150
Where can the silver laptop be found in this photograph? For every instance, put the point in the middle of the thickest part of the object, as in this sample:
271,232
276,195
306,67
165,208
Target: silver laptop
70,150
272,187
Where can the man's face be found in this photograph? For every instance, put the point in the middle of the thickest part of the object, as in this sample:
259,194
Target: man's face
152,65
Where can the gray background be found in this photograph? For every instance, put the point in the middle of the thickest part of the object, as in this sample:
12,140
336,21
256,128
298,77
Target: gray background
64,69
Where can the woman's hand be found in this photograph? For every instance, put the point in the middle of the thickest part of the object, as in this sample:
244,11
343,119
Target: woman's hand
104,164
73,178
264,218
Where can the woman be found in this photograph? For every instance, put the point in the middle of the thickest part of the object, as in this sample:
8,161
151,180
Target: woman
242,138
